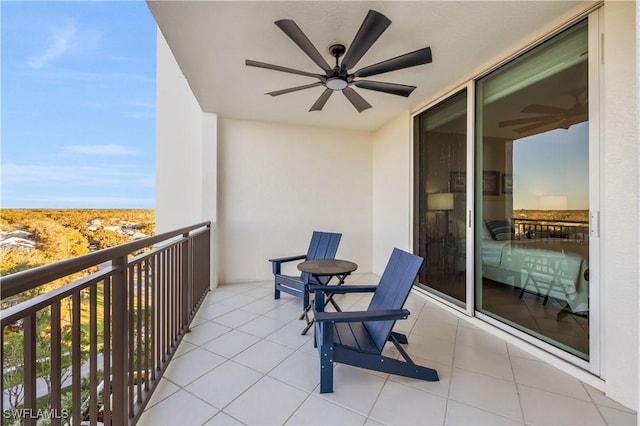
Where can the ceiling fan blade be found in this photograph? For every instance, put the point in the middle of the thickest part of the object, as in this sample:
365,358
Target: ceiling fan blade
392,88
372,27
356,100
294,89
527,120
291,29
408,60
544,109
319,104
251,63
566,123
551,122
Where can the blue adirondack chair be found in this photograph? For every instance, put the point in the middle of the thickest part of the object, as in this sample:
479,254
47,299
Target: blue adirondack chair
357,338
323,245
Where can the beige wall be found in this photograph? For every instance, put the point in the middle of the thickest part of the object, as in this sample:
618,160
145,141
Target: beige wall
278,183
620,202
179,138
391,190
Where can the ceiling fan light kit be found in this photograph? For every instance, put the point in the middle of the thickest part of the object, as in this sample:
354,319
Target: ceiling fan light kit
338,78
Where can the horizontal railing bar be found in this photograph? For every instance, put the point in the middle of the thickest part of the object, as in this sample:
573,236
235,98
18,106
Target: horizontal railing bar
14,283
16,312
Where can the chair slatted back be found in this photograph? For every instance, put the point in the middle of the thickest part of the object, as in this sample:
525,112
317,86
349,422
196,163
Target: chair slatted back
323,245
392,291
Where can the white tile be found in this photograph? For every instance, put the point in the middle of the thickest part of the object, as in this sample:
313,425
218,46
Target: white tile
546,408
235,318
491,363
231,344
354,388
223,419
238,300
464,415
431,348
400,404
224,383
164,389
205,332
479,340
181,408
287,312
315,411
601,399
546,377
262,306
213,310
184,347
290,335
190,366
426,326
618,417
485,392
262,291
263,356
300,370
262,326
268,402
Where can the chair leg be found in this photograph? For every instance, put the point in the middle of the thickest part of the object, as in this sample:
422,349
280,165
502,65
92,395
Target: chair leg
276,294
326,357
400,338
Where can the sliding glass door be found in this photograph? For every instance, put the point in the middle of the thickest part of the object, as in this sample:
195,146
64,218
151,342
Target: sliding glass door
532,193
524,264
440,194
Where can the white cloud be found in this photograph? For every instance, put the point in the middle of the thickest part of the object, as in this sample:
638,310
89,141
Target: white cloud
108,149
72,175
59,43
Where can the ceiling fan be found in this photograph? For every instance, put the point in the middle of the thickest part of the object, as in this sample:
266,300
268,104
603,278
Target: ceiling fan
338,78
553,117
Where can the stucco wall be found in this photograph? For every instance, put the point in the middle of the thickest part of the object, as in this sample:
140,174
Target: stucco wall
279,183
620,202
391,190
179,138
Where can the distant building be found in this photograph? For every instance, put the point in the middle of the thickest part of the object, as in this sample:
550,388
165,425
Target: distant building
17,239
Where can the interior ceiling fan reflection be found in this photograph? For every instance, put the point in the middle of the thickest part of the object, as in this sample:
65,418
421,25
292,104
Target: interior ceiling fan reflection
338,78
553,117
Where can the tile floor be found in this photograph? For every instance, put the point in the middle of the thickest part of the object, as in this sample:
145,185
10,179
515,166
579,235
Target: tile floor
245,362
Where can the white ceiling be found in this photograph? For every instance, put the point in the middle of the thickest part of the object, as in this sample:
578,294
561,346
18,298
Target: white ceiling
212,39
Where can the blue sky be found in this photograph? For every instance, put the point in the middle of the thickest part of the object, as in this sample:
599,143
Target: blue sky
77,104
551,170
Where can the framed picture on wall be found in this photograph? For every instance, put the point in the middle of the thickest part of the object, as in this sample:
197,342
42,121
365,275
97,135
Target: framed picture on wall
490,182
507,184
458,181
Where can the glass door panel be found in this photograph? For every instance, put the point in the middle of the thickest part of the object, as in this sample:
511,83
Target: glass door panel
440,198
532,193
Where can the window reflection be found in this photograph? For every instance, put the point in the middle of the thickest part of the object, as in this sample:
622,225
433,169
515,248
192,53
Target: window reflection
532,249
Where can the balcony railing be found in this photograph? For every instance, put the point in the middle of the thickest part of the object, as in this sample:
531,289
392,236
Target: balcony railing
533,228
122,319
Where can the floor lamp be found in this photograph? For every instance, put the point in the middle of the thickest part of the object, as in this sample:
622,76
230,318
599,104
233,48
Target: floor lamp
441,202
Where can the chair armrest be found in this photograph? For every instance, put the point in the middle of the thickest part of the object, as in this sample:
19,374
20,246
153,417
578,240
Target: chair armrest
357,316
276,264
342,289
289,258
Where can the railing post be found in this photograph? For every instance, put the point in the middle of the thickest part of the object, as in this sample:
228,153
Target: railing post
186,282
120,406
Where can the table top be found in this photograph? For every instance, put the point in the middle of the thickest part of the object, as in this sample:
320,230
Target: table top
327,267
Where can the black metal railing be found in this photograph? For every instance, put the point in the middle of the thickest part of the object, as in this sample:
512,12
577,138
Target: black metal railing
99,343
531,228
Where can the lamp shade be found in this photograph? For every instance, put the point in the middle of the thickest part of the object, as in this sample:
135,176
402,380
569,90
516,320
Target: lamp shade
440,201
